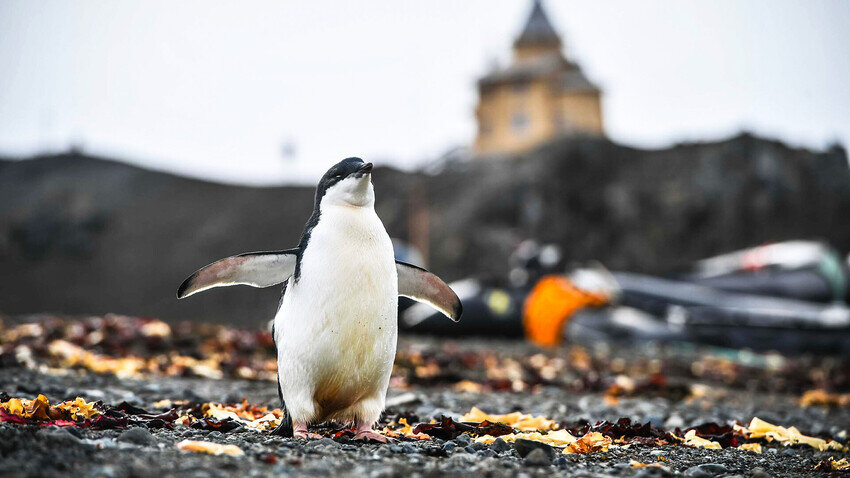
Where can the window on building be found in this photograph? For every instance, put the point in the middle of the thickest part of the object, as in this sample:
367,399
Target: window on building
520,122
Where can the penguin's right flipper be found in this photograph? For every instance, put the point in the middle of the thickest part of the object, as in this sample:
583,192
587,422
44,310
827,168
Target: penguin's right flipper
256,269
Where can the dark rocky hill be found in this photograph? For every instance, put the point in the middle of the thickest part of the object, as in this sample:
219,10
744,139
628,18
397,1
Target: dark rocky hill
85,235
642,210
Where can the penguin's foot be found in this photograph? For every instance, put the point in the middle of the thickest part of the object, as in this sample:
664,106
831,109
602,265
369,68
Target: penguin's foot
365,433
300,431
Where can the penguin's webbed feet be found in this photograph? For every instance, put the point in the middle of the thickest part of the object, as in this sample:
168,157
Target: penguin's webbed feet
372,436
365,433
300,431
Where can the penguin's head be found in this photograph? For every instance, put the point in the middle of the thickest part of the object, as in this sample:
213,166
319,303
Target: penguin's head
347,183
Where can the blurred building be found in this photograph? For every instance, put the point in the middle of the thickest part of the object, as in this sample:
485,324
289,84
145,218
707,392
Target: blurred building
539,96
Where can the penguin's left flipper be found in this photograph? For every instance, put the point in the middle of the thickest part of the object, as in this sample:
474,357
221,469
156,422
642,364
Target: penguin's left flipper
256,269
423,286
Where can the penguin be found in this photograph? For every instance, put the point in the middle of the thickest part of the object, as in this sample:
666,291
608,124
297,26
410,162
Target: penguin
336,327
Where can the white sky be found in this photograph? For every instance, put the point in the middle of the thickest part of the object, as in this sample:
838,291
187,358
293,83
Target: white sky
215,89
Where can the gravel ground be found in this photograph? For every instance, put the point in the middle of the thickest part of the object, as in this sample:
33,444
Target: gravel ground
50,451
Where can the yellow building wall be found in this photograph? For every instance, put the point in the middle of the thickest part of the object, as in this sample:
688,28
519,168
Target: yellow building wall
581,113
500,107
547,116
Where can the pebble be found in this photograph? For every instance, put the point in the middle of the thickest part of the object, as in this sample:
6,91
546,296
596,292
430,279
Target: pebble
656,420
758,472
500,446
62,435
408,448
325,442
463,440
525,447
478,446
537,457
232,396
137,436
675,420
104,443
651,473
706,470
462,460
192,396
449,446
107,471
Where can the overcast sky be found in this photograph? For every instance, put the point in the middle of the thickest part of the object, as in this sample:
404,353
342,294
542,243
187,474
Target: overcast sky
218,89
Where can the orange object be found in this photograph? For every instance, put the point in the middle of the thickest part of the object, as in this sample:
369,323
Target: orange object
552,301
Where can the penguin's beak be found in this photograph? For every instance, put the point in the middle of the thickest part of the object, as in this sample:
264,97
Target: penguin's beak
363,170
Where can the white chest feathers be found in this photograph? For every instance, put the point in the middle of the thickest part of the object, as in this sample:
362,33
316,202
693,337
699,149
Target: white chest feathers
337,326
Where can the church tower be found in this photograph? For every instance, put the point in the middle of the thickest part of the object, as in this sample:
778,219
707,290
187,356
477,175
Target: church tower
541,95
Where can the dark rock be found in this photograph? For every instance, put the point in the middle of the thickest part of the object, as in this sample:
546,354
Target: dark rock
324,442
75,431
500,446
464,440
232,396
408,448
758,472
137,436
706,470
537,457
652,473
449,446
432,449
192,396
62,435
525,447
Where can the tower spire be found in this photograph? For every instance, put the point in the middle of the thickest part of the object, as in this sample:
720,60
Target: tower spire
538,30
